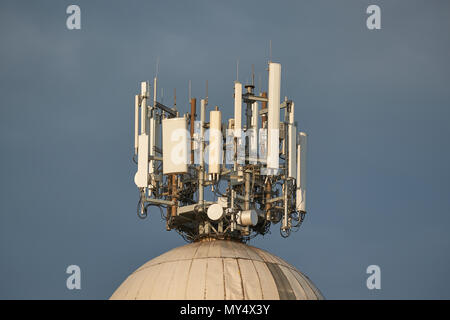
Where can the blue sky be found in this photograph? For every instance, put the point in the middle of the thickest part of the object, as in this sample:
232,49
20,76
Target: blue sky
375,104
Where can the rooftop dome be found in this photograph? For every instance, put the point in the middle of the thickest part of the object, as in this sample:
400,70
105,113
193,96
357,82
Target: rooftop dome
217,269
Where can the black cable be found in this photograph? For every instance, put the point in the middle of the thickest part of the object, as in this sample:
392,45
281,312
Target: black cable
285,233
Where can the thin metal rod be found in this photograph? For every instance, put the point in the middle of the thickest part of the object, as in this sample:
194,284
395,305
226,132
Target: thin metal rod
174,195
206,92
189,90
159,201
155,92
247,192
270,50
136,122
143,112
252,98
253,75
193,115
175,98
202,165
285,216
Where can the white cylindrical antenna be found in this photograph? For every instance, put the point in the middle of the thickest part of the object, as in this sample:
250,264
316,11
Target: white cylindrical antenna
152,141
253,134
215,141
292,151
301,172
141,177
136,123
144,96
273,116
292,113
255,115
237,108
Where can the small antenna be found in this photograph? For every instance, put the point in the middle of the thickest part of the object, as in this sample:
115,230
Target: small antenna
253,75
157,67
162,95
259,83
270,50
174,97
189,90
237,70
155,91
285,82
206,100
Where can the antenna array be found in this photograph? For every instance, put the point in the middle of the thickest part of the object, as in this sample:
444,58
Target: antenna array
222,179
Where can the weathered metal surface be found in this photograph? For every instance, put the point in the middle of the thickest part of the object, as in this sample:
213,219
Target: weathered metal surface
217,269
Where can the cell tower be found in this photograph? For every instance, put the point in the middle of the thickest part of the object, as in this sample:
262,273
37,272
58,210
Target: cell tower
218,184
253,168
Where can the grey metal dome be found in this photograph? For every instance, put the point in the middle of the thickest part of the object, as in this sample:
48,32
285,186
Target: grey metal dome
217,269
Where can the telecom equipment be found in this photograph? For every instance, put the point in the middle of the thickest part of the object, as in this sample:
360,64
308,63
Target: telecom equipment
222,179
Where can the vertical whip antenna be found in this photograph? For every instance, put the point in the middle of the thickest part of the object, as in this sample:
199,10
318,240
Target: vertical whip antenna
206,99
136,123
270,50
155,92
189,90
259,83
174,97
253,75
157,67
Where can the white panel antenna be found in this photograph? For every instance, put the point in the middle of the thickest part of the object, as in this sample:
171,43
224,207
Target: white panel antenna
176,145
273,118
237,109
301,172
292,151
141,177
215,142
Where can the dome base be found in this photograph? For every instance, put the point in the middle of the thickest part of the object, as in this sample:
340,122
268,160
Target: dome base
219,270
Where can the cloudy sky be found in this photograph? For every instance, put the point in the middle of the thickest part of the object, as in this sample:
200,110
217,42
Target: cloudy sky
375,103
